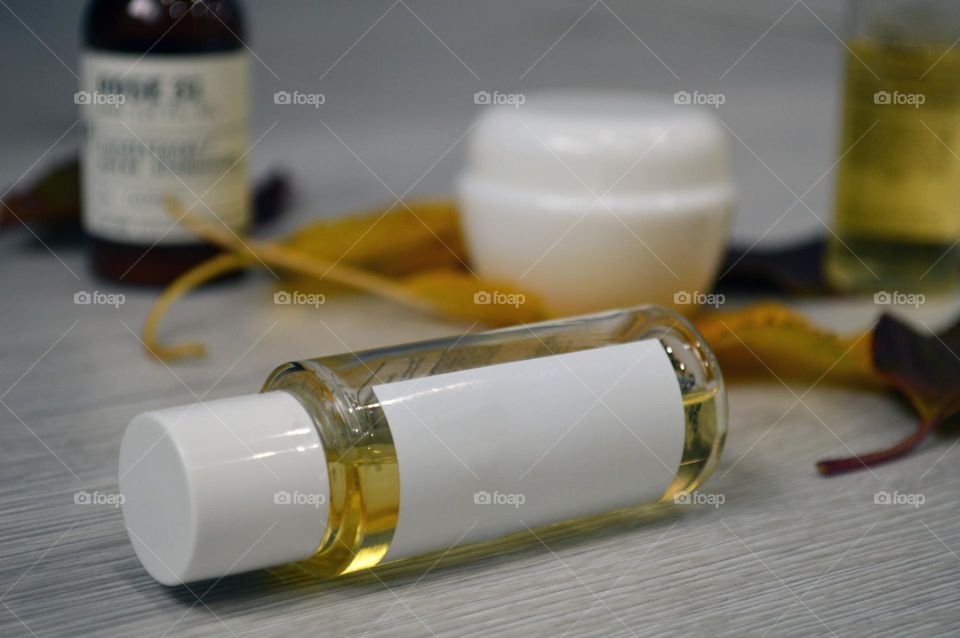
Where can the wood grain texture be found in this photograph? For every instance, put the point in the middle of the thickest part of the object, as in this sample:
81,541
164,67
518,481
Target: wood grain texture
789,553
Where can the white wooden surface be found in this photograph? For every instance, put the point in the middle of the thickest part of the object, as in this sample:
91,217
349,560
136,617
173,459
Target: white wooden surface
788,553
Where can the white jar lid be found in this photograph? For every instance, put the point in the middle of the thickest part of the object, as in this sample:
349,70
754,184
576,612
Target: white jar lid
591,143
598,199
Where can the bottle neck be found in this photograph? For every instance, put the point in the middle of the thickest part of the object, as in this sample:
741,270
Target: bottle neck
157,28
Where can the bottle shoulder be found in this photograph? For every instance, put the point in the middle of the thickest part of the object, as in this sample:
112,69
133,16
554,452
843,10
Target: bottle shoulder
162,27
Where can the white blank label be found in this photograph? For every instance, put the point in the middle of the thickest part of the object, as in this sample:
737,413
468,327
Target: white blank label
496,449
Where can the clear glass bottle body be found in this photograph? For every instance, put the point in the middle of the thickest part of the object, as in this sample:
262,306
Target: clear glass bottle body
362,462
898,192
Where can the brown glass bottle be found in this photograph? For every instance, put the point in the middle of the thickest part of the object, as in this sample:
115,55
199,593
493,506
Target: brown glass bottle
164,90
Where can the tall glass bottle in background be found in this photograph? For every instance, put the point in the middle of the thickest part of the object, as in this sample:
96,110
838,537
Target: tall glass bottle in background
165,99
898,194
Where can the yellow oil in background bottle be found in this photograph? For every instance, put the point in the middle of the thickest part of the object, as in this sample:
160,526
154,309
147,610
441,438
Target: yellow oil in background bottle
898,193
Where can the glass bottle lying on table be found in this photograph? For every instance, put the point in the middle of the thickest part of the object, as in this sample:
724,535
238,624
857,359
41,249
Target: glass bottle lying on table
357,459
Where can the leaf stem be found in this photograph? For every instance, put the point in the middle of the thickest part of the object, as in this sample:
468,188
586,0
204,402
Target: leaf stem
830,467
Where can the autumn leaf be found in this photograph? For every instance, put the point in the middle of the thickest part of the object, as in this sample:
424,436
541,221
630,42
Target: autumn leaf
795,268
396,241
410,256
772,339
925,368
53,199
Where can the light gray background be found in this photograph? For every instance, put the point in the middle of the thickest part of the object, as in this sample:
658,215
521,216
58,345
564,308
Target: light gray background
789,553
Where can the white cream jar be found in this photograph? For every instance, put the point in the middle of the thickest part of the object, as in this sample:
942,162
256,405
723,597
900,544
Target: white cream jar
598,199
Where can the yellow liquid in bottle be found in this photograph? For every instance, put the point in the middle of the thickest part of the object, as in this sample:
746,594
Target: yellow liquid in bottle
365,494
898,191
361,456
698,461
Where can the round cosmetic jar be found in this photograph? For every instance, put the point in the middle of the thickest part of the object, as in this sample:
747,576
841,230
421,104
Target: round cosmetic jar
598,199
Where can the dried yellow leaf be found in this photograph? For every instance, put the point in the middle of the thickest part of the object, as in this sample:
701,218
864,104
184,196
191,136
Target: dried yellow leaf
772,339
412,256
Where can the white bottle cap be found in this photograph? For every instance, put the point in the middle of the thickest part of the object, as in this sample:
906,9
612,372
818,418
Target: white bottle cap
223,487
